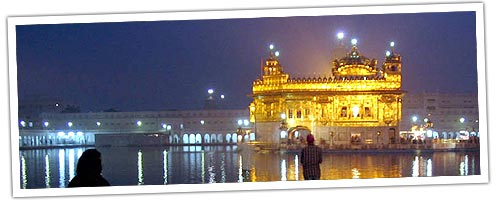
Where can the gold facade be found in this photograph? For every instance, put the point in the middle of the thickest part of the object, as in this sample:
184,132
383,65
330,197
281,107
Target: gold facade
359,98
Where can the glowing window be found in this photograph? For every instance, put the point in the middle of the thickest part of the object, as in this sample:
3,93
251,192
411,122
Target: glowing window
343,112
355,111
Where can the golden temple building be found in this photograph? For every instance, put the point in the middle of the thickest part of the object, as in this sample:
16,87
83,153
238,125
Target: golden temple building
360,103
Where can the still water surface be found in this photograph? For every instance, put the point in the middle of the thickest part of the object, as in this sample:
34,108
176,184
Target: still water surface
54,168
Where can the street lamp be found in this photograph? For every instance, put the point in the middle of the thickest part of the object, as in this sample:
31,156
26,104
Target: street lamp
378,135
239,131
340,35
331,138
354,42
462,120
414,119
283,128
169,132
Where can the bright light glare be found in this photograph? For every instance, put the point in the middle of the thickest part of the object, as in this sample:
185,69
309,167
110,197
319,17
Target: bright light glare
139,123
283,134
392,44
354,42
271,46
222,96
387,53
414,118
462,120
340,35
210,91
277,53
70,124
246,122
240,122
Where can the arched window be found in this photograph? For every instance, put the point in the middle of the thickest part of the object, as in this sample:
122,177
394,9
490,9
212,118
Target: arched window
206,138
185,139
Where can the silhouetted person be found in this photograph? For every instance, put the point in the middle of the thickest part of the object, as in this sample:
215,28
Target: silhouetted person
246,151
88,171
310,158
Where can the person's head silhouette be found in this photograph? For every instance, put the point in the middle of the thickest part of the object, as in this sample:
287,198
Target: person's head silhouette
89,163
88,170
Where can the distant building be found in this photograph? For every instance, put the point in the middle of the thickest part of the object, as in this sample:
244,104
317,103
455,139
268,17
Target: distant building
179,127
451,115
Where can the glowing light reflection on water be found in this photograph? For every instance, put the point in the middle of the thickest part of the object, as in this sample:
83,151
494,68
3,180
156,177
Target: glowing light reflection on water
62,168
140,169
222,164
165,167
47,171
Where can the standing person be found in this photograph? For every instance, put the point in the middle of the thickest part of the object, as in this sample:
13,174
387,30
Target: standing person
88,171
310,158
246,151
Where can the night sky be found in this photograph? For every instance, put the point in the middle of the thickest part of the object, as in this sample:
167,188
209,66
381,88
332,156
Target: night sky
139,66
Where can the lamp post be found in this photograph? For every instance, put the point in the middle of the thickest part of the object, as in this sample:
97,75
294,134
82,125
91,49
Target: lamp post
378,135
331,138
283,129
169,134
239,131
388,122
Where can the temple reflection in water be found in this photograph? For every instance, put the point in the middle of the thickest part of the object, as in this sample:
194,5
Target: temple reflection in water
219,164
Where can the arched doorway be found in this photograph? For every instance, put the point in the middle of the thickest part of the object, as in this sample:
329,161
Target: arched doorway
298,134
392,135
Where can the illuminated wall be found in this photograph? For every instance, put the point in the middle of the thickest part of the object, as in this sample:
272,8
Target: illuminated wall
358,99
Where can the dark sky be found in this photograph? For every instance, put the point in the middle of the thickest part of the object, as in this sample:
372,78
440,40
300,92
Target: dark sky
135,66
